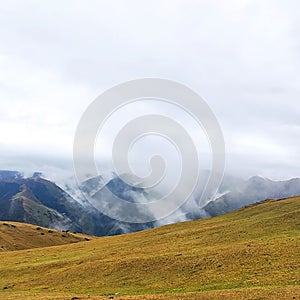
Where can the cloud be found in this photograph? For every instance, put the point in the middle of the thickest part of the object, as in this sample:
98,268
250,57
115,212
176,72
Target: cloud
242,56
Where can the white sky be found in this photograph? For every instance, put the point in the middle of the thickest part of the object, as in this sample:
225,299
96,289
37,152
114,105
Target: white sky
242,57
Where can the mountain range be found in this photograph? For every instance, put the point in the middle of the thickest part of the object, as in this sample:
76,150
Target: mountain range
41,202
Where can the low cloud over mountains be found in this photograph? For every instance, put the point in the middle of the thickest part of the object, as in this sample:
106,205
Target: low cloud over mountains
41,202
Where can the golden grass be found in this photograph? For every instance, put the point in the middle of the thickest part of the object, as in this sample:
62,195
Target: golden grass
19,236
252,253
274,293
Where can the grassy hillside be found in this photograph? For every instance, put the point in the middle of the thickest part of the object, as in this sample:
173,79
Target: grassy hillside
18,236
253,253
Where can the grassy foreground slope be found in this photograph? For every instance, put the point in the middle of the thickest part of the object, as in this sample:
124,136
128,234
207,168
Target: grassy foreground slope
19,236
253,253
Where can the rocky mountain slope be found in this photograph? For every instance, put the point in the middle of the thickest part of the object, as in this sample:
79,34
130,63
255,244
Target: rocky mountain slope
41,202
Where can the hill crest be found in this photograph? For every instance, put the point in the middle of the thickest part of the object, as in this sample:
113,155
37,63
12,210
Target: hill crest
20,236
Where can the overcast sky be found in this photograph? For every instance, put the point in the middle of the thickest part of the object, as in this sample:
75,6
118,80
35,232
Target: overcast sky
242,57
